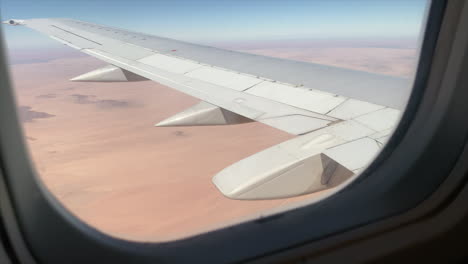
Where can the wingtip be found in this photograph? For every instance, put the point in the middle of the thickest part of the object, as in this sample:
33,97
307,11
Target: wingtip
13,22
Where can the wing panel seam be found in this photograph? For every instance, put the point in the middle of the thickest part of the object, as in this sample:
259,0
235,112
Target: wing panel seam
69,32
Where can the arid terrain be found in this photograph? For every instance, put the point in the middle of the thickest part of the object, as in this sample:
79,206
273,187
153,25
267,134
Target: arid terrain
95,147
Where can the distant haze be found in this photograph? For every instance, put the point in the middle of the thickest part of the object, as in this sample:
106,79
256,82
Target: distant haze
218,21
395,43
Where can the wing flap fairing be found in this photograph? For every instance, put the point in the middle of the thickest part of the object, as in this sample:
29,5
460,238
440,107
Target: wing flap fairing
108,73
204,114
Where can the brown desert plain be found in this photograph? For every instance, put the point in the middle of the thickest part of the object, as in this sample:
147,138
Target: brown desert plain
96,149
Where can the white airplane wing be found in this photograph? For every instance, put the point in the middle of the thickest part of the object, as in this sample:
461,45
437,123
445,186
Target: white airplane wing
342,117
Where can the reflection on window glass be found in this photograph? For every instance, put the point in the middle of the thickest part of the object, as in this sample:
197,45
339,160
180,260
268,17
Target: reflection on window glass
151,139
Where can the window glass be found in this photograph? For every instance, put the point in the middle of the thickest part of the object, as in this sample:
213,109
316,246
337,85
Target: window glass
95,144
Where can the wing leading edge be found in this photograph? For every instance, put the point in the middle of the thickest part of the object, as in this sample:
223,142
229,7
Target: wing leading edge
343,117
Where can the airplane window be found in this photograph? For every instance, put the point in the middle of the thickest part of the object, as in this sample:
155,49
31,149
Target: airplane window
212,112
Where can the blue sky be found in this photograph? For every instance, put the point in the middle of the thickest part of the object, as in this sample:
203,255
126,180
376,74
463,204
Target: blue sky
207,21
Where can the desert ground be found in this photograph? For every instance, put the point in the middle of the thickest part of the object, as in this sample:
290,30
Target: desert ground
96,149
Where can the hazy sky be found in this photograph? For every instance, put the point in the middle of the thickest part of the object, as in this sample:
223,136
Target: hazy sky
223,20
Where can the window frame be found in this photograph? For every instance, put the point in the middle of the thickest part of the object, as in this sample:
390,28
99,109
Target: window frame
41,229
